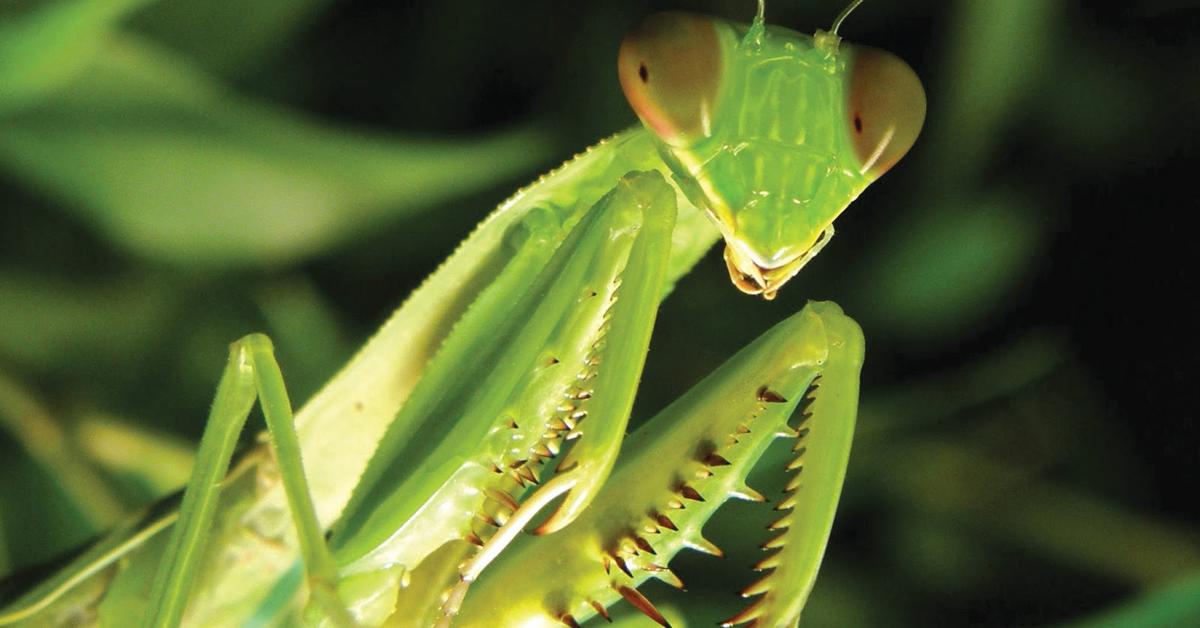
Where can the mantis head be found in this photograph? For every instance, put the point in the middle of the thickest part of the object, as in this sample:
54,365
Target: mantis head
772,132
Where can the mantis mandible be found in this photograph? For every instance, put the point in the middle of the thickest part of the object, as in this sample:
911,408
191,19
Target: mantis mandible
500,391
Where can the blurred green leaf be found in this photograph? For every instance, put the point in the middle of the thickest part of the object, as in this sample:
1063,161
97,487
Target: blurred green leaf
1013,504
937,557
1177,604
45,439
942,270
247,32
46,43
5,560
155,462
49,322
40,518
996,55
168,165
921,404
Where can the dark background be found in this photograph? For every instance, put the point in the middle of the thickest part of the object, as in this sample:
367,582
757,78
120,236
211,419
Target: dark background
1026,277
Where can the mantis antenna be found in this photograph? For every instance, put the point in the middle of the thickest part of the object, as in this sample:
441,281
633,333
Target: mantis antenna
837,22
754,36
829,41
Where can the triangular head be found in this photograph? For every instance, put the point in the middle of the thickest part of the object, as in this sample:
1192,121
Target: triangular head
771,131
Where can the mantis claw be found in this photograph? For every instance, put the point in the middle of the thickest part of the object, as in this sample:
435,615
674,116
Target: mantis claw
721,427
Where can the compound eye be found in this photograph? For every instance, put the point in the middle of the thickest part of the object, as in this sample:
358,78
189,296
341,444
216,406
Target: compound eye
886,108
670,69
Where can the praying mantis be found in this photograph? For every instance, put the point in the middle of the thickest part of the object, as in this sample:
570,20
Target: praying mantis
496,399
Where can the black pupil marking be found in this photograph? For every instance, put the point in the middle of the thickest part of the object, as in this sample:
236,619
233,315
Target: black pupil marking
644,73
857,123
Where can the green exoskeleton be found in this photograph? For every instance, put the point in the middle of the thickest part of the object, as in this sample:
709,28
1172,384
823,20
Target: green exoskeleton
770,132
495,400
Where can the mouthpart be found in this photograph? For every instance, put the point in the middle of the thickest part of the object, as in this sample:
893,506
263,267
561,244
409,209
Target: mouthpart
751,278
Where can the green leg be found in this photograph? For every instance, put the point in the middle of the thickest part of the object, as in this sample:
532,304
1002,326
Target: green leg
251,372
797,381
586,465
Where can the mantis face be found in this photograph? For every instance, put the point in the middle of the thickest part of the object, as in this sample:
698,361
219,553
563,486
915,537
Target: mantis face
772,132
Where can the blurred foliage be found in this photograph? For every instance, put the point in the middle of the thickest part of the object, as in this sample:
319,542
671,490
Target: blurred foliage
174,175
